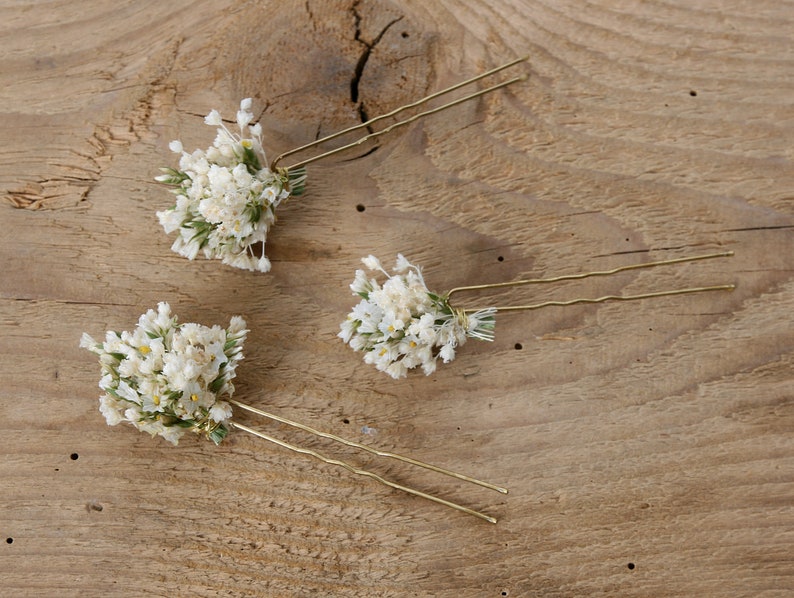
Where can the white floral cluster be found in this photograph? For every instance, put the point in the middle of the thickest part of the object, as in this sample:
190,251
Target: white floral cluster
165,378
401,324
226,196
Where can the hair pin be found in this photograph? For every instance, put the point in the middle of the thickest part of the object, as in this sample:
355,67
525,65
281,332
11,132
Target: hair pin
401,325
226,195
168,379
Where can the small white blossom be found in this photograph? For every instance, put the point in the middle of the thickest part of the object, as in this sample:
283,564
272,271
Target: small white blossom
213,119
402,264
372,263
166,378
226,196
401,325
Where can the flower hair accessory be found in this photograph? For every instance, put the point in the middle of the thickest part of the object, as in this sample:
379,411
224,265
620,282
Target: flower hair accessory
401,325
167,379
227,195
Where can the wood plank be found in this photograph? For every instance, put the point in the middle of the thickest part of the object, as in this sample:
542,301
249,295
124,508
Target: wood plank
647,445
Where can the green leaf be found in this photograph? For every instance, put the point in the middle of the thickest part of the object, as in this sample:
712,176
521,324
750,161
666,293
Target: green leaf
201,236
297,181
254,212
172,176
219,433
180,423
116,395
251,160
217,384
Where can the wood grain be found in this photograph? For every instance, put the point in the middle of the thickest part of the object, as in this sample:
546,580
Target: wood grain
648,446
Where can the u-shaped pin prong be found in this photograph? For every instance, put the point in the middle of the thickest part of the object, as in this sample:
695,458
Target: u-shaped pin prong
516,283
362,472
396,111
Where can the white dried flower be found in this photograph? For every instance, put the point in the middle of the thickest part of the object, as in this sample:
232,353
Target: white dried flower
226,195
402,325
166,378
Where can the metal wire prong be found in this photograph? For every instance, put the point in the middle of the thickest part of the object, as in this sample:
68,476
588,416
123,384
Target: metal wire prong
367,448
394,112
517,283
402,123
722,287
363,472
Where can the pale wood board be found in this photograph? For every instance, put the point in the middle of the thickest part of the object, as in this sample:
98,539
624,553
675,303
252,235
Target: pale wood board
647,446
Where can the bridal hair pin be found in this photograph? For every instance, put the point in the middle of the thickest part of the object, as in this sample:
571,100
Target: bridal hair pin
401,325
168,379
226,196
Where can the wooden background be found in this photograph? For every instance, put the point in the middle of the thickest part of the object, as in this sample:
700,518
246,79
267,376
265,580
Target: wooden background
648,445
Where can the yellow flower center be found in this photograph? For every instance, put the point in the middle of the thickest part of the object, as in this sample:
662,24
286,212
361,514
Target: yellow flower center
413,344
144,349
156,400
247,144
194,397
382,352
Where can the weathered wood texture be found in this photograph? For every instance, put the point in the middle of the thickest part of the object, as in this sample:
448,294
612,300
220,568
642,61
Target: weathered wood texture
648,446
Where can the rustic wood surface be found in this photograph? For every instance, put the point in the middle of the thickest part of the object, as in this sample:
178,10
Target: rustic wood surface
647,446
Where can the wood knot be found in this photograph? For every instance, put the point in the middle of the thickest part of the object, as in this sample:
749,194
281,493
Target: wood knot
315,68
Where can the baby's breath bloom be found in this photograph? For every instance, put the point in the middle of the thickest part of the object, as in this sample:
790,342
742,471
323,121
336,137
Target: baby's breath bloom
402,325
226,196
166,378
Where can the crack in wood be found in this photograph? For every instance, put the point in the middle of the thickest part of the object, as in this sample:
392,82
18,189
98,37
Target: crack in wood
364,57
758,228
74,175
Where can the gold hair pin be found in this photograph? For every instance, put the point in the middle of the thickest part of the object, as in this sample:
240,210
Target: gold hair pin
400,324
167,379
226,196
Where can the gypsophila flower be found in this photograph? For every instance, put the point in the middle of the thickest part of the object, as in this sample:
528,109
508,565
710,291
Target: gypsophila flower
226,196
402,325
166,378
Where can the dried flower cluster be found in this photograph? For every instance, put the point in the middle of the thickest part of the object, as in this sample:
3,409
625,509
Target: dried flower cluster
401,324
165,378
226,196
